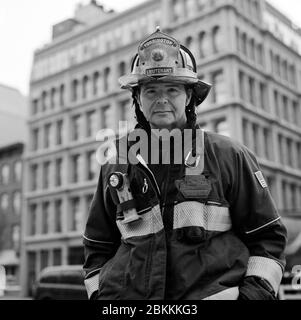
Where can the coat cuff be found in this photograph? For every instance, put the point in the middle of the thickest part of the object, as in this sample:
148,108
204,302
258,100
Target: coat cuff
265,268
92,284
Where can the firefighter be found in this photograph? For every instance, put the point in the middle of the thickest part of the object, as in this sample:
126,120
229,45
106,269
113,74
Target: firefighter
203,228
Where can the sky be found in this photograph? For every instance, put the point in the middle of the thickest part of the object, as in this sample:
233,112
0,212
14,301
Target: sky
26,25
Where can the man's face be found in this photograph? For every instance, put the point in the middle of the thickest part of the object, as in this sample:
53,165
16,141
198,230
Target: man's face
163,104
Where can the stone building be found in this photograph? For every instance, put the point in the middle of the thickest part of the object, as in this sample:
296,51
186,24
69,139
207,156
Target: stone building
247,49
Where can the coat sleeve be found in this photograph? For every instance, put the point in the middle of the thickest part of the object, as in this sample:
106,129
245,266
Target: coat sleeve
101,237
256,220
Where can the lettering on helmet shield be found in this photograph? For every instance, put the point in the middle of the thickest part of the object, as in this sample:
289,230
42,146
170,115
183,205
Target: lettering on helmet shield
154,71
158,40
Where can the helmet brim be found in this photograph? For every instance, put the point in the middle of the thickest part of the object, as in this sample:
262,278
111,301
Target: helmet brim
200,88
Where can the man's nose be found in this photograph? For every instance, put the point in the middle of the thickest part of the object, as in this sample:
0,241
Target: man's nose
162,100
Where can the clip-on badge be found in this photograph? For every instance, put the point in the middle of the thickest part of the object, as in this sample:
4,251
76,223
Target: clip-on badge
195,184
120,183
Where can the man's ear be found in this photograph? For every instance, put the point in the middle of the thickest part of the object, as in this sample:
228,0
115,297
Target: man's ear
188,96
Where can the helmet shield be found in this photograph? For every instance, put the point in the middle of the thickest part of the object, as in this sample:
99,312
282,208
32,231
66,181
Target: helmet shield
161,58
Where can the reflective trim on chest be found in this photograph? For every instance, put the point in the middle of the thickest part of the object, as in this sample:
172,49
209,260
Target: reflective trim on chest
193,212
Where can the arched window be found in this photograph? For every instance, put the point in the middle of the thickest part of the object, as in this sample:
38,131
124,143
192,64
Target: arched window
74,89
52,98
85,87
44,100
95,83
106,79
216,39
62,95
201,41
244,43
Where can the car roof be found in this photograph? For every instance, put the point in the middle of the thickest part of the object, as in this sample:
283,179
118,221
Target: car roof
58,269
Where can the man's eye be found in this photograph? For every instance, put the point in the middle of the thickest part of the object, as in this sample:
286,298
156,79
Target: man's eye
172,90
150,91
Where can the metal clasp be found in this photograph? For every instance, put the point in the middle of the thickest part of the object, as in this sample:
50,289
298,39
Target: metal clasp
192,164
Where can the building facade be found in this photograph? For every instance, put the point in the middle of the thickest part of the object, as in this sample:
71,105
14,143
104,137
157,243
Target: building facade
256,76
10,211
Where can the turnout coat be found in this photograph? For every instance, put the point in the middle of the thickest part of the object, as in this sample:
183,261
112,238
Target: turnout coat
197,237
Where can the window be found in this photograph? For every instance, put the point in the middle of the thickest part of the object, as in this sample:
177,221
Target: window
92,165
281,149
47,135
252,50
74,90
35,106
45,218
62,95
44,259
267,143
17,202
59,132
95,83
44,100
201,44
46,172
289,152
296,113
34,176
76,223
299,154
57,257
106,79
242,91
75,167
5,173
32,219
285,108
58,172
18,171
219,87
276,103
4,201
85,87
244,44
256,138
35,139
104,116
58,216
216,39
91,123
76,127
252,96
263,96
53,98
260,57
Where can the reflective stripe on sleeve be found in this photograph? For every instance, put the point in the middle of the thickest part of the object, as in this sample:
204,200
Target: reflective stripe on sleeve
196,214
265,268
150,223
91,284
228,294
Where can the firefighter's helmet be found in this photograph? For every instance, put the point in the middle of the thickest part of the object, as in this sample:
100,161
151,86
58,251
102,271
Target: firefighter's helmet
162,58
